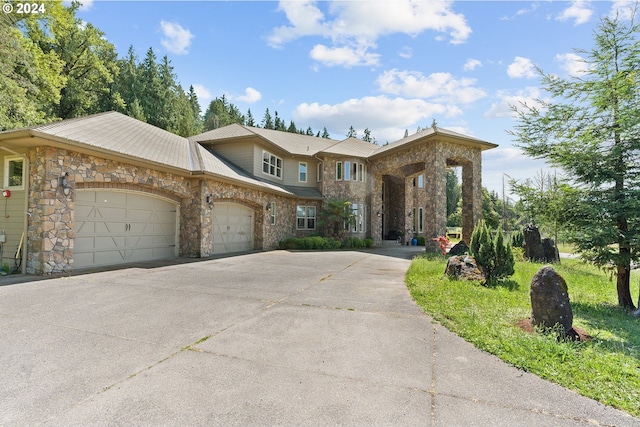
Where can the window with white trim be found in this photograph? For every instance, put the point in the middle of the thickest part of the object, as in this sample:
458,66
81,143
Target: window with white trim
415,220
354,171
420,220
14,172
302,171
306,217
319,172
363,172
338,171
357,222
347,171
271,164
420,181
272,213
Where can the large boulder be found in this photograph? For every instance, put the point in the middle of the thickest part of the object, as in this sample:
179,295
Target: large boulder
464,267
532,246
538,249
550,304
459,248
550,251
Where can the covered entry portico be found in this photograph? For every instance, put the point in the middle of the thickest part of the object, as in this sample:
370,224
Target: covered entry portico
399,202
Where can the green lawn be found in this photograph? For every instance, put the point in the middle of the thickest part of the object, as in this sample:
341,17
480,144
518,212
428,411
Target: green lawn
605,368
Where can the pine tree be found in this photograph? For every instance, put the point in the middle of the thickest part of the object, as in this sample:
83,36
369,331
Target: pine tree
352,133
249,120
267,121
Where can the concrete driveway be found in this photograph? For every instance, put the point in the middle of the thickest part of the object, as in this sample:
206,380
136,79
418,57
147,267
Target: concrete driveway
272,338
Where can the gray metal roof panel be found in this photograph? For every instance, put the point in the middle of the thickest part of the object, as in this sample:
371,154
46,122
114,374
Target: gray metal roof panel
352,147
429,132
123,135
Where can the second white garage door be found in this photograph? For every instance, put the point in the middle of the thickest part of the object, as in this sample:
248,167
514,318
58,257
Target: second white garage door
232,228
114,227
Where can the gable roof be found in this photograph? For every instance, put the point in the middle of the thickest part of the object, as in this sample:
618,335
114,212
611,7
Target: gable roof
433,131
118,135
292,143
352,147
305,145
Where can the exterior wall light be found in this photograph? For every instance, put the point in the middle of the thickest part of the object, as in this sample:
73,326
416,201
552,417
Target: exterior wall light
209,199
268,207
63,182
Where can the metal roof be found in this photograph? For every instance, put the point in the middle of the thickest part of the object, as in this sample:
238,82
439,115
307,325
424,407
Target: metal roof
121,134
352,147
305,145
293,143
430,131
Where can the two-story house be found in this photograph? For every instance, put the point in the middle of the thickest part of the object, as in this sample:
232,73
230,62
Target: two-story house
108,189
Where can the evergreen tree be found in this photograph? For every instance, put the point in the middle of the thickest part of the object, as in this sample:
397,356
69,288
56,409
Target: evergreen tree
250,121
352,133
591,129
267,121
367,135
292,127
325,133
406,133
491,254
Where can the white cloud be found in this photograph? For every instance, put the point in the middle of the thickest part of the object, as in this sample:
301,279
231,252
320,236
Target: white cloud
250,96
502,108
202,92
509,163
358,24
573,64
472,64
345,56
579,12
386,117
622,8
176,38
439,87
406,52
521,67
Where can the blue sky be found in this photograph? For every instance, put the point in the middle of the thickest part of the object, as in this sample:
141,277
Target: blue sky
388,66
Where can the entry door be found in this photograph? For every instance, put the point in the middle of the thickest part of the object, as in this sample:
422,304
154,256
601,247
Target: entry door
114,227
232,228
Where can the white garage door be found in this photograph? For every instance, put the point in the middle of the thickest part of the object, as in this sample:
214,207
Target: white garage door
114,227
232,228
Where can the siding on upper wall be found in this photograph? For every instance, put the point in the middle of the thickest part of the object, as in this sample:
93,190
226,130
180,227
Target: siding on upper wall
239,152
291,172
12,220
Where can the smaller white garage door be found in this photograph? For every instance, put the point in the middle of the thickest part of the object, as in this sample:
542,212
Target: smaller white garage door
114,227
232,228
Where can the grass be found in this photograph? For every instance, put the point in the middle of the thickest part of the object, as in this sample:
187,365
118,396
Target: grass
605,368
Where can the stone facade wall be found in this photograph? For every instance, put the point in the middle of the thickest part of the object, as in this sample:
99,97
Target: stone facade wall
353,191
433,157
50,232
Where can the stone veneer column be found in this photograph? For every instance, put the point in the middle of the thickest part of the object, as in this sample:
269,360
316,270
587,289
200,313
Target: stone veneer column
471,195
376,206
435,214
50,233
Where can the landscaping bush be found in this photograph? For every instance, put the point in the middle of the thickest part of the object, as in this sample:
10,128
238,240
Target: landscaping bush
517,239
352,243
421,241
308,243
492,255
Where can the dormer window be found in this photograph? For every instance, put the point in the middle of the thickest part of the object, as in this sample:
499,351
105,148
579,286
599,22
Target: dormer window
271,165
